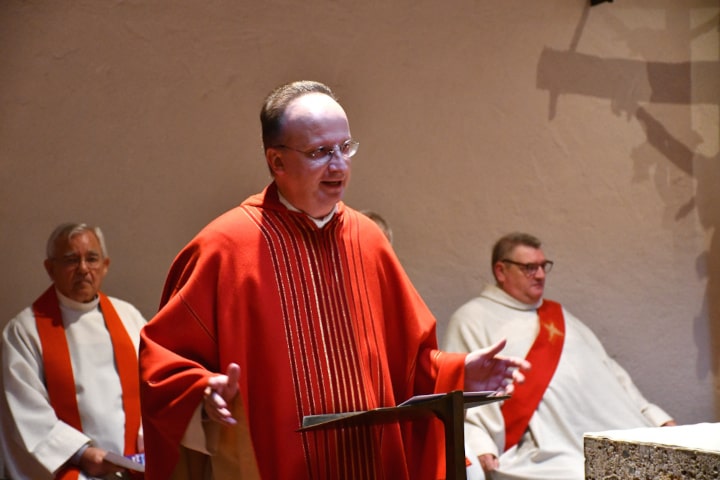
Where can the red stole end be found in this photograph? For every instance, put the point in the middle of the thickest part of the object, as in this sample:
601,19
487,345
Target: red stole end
59,378
544,356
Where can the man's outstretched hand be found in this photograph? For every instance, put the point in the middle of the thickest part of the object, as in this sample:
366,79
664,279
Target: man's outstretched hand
485,370
220,391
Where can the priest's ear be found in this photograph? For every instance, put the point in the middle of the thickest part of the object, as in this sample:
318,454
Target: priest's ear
275,161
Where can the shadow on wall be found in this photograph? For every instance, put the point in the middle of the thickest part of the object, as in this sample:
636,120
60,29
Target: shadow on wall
629,83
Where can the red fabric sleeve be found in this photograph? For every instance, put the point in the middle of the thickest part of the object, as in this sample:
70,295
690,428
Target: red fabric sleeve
172,381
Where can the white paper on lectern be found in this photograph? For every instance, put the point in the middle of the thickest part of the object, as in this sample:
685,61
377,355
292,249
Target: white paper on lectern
468,396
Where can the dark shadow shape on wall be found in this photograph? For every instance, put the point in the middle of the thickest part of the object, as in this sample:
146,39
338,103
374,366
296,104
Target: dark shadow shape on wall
630,86
706,171
626,83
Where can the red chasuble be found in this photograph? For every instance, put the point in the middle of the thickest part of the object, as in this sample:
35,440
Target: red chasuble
544,356
320,320
59,378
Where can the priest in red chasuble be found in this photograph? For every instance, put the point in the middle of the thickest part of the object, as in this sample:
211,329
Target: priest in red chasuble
294,304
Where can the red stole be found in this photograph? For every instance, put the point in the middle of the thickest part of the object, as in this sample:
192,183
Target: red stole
544,356
59,378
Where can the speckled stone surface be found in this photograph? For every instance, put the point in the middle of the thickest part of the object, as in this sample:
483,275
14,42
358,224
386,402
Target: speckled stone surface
673,453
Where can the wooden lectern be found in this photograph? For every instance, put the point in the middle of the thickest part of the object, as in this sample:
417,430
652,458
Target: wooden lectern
448,407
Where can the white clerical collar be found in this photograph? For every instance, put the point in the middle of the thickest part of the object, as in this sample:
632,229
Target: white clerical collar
498,295
75,305
320,222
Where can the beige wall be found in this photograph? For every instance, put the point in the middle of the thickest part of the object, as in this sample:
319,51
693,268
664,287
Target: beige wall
594,128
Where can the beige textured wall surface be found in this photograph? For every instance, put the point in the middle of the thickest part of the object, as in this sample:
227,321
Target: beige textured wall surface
595,128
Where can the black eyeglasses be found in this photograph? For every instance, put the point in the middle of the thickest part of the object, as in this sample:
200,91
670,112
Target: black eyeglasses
324,154
531,269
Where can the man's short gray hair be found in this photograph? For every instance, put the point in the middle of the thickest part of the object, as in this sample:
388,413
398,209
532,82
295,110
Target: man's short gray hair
69,230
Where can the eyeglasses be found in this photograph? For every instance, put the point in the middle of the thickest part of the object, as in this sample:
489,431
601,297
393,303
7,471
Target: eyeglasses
531,269
92,261
324,154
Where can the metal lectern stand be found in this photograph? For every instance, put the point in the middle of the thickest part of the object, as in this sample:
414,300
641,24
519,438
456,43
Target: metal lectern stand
448,407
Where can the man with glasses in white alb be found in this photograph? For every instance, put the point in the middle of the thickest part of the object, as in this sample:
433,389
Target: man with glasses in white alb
574,386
